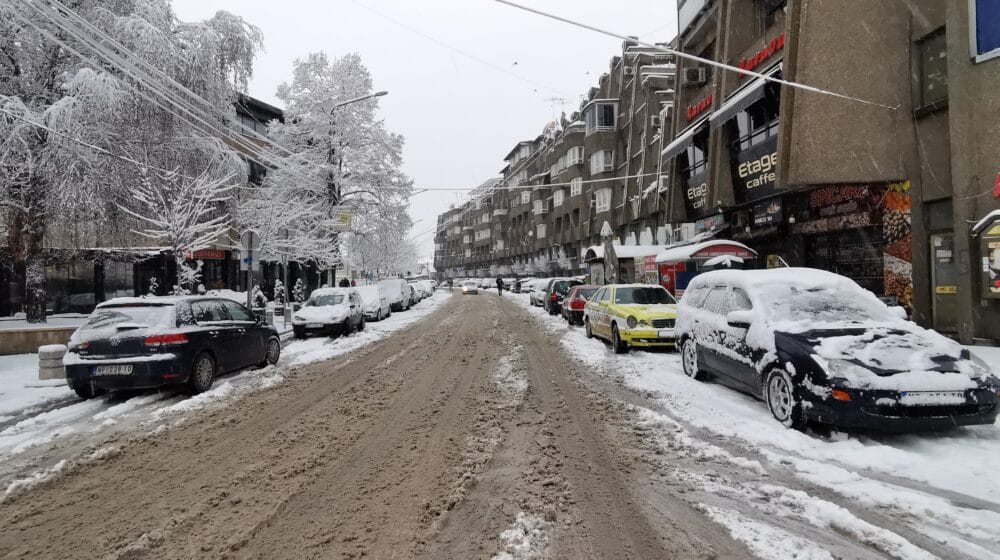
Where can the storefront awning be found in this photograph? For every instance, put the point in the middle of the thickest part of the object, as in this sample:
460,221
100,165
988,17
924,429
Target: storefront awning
683,140
742,99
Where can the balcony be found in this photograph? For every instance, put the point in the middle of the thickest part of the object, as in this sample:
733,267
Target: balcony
500,212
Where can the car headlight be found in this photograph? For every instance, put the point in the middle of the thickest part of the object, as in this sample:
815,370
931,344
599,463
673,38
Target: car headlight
846,372
979,367
298,319
643,322
632,322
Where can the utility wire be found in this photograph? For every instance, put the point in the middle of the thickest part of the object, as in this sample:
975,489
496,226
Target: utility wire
707,61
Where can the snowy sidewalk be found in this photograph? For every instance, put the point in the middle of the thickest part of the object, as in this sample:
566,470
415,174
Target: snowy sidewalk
20,388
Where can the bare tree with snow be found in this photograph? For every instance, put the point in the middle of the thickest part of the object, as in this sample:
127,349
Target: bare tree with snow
77,115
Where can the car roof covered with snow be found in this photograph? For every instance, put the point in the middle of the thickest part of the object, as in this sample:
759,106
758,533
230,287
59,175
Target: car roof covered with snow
752,280
153,300
332,291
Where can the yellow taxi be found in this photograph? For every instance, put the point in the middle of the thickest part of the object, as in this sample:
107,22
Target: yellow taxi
632,315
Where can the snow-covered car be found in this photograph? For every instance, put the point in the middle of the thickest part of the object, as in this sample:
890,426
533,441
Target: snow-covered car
536,294
376,303
470,287
330,311
132,343
627,315
816,347
398,292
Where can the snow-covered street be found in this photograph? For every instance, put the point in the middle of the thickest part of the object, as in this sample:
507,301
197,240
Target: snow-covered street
941,485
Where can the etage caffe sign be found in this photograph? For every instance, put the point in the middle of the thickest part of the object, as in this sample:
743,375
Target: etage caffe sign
754,171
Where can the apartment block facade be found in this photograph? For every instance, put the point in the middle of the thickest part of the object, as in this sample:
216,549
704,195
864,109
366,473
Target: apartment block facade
881,176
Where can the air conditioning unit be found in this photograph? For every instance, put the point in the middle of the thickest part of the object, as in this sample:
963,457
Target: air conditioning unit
695,76
663,58
654,121
629,71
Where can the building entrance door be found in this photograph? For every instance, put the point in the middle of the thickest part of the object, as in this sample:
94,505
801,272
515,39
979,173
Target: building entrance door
944,283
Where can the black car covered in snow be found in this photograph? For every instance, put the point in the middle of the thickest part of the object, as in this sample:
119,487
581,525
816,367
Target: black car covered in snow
816,347
132,343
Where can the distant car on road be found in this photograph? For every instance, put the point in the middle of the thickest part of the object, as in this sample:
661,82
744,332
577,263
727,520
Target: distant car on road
330,311
632,315
133,343
470,287
816,347
574,303
376,302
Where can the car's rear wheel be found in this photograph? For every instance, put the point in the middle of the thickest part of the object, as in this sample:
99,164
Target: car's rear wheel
361,325
616,341
271,353
346,329
202,373
587,329
783,400
689,358
86,391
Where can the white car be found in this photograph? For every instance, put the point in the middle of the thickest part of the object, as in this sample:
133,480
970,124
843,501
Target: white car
376,303
398,292
537,293
330,311
470,287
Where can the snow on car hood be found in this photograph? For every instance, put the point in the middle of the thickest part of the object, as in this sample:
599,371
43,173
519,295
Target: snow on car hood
325,313
897,357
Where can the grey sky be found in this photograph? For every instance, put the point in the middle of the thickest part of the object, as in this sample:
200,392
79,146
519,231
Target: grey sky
459,116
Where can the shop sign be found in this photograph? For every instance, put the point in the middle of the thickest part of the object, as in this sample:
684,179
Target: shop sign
763,54
830,196
834,223
990,248
207,255
699,107
710,223
724,249
767,213
754,171
696,195
668,276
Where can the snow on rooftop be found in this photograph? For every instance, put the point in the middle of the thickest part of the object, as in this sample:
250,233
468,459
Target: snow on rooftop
596,252
987,219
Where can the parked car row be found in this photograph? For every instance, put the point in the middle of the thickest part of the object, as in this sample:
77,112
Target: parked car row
188,341
814,346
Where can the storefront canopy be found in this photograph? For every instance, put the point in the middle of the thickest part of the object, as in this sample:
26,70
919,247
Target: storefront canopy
705,250
596,252
741,99
683,140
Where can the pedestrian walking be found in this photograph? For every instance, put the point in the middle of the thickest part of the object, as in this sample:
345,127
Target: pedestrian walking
500,287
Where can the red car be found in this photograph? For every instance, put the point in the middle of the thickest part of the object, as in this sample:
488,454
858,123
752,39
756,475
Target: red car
572,306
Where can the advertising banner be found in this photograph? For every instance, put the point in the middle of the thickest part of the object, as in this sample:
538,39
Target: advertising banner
754,171
696,196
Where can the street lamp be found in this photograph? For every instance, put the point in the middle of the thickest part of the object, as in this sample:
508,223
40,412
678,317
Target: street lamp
361,98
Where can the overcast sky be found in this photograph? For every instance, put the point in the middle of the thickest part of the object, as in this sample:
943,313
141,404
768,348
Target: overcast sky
460,113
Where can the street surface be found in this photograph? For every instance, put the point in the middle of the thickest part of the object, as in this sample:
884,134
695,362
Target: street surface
478,429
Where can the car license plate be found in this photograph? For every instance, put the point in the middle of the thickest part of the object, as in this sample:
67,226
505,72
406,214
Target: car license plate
665,334
925,398
113,370
314,325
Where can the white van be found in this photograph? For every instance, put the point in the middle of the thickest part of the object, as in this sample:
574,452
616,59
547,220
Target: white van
398,293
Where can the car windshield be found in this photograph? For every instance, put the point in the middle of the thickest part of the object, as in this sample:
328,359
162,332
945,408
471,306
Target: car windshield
826,305
586,293
643,296
138,314
324,300
562,287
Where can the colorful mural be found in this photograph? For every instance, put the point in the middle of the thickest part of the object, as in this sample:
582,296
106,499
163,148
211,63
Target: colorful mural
898,249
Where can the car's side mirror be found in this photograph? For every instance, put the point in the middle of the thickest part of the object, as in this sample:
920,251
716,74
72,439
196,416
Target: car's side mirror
899,311
739,319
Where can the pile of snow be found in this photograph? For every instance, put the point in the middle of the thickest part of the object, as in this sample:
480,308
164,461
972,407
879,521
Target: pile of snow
526,539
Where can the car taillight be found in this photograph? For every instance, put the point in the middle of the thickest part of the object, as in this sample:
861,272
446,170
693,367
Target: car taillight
173,339
552,296
576,304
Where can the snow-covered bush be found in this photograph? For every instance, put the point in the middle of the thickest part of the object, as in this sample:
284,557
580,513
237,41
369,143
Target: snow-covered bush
154,287
299,291
258,298
279,293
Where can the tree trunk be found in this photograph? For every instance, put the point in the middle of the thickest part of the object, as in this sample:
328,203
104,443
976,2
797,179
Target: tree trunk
26,242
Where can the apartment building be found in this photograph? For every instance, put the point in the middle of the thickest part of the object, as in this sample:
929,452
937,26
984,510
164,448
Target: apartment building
601,164
880,183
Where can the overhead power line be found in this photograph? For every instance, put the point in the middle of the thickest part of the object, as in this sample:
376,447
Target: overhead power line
709,62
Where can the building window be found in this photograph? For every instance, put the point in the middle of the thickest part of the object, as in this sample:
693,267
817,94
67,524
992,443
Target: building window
984,29
601,161
525,197
558,197
758,123
933,68
694,159
576,186
540,231
600,116
539,207
574,156
603,199
468,253
769,10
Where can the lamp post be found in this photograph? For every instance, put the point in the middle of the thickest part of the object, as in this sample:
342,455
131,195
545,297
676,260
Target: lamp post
359,98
